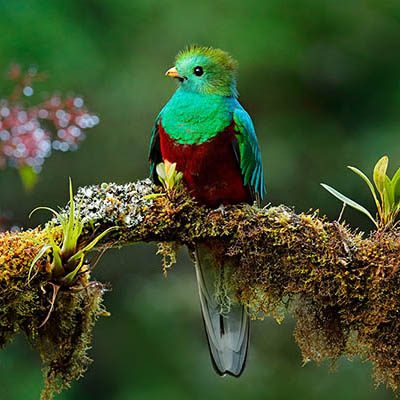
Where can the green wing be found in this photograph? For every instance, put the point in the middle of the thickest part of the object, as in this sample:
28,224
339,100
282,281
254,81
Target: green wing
155,156
249,151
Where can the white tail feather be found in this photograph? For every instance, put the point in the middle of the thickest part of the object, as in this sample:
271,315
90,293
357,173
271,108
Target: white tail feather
227,333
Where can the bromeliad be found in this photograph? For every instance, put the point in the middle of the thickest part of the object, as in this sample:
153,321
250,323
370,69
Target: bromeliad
205,131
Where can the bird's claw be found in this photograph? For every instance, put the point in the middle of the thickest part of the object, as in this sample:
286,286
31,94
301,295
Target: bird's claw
220,209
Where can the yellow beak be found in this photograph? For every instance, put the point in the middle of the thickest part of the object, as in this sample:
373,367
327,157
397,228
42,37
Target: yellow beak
173,73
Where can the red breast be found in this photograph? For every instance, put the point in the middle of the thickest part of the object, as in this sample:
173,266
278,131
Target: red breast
210,169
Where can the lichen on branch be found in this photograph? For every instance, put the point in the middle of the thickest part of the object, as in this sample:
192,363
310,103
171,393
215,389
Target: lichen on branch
342,287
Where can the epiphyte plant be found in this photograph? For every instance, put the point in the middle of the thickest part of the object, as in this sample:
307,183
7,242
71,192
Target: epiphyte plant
388,204
168,175
67,261
169,178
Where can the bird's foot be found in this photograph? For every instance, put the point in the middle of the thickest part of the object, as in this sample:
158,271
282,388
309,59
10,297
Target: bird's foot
219,210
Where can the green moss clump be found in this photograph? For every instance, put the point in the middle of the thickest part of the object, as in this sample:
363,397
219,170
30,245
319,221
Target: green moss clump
60,328
64,340
168,252
344,291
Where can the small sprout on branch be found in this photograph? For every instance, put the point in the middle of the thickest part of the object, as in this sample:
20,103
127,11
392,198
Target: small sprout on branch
169,177
67,261
388,205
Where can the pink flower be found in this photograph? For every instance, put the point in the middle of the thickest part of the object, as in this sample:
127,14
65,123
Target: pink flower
24,141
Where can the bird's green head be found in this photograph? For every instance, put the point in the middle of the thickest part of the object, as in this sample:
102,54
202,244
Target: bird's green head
205,70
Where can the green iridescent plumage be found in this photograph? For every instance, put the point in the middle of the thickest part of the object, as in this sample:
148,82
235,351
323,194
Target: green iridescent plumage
205,105
250,156
219,67
191,117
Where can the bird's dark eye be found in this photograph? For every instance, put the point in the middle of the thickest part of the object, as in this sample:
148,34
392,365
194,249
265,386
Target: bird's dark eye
198,71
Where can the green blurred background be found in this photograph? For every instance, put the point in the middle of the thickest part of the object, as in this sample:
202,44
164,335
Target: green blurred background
321,81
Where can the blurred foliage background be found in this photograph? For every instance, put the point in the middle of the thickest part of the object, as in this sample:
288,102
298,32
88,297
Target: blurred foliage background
320,79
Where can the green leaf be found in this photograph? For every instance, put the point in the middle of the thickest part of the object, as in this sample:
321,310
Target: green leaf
396,187
39,255
178,177
152,196
68,235
396,176
388,200
160,168
171,175
57,265
69,278
388,194
59,217
171,169
78,227
380,173
90,246
368,182
28,177
349,202
73,227
44,208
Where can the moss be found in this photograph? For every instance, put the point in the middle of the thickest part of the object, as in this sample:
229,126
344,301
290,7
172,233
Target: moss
342,287
168,252
344,292
64,339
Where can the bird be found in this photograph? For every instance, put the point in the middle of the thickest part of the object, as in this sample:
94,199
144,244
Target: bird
210,137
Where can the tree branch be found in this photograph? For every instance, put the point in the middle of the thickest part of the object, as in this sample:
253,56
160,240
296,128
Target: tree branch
343,289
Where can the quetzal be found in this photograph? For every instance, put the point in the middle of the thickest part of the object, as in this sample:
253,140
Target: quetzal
211,138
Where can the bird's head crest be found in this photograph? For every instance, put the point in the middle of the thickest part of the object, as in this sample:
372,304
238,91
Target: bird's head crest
206,70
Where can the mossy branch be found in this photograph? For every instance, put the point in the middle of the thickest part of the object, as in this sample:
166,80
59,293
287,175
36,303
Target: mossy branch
342,288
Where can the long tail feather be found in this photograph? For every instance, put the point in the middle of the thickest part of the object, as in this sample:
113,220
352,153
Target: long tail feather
227,333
